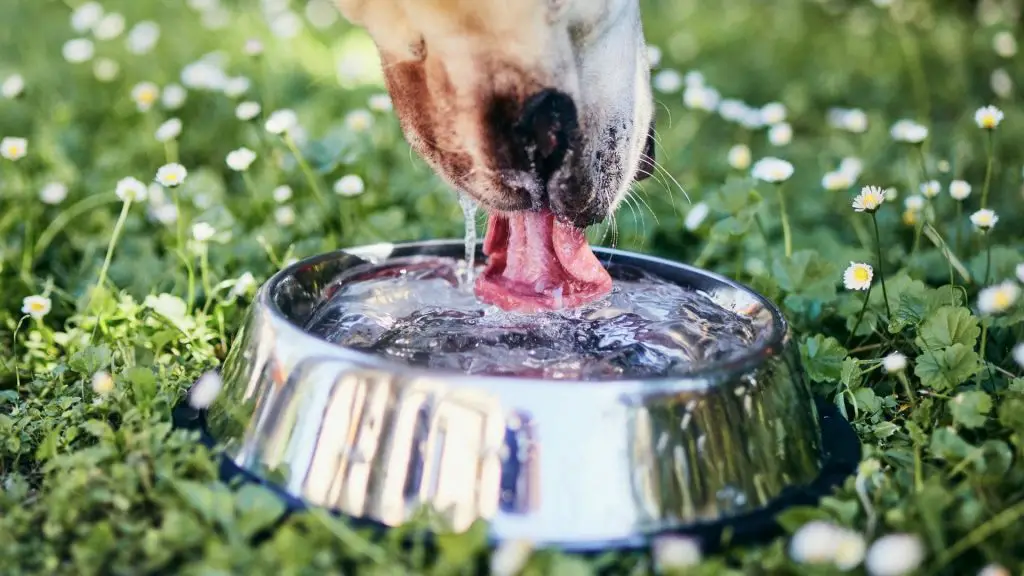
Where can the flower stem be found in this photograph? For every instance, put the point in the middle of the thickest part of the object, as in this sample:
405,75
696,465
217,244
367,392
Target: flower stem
860,316
959,227
306,170
906,386
881,275
113,242
988,259
74,211
171,151
988,170
787,239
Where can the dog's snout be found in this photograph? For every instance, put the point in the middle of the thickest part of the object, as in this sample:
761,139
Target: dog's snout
548,126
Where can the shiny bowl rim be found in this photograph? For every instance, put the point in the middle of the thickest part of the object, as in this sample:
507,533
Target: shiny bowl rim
774,344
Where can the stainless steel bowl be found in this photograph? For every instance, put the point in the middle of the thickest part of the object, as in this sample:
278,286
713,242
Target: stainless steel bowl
579,465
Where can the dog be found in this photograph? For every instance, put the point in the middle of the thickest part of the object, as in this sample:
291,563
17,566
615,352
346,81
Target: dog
521,104
528,107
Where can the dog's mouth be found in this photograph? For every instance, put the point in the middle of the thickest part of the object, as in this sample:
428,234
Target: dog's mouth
538,262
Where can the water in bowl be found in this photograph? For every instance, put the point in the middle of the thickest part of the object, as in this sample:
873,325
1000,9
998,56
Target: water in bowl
417,311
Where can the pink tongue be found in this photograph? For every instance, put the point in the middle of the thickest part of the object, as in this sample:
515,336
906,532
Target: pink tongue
538,263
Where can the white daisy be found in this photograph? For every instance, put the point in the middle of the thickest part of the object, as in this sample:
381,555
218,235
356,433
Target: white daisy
891,194
772,170
145,94
105,69
203,232
914,203
908,131
203,75
142,38
281,121
815,543
78,50
653,56
773,113
359,120
349,185
1020,272
984,219
869,199
284,215
169,130
999,298
36,306
171,175
205,390
850,550
236,86
12,86
246,111
13,148
733,110
696,216
672,553
894,362
858,276
240,160
1018,354
838,180
994,570
739,157
780,134
694,78
930,189
109,27
252,47
244,284
286,25
1001,83
895,555
700,97
102,383
165,214
851,165
53,193
131,189
86,16
511,557
855,120
174,96
959,190
282,194
988,117
380,103
667,81
1004,44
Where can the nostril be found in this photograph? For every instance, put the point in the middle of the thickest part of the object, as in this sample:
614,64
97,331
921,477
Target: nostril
547,125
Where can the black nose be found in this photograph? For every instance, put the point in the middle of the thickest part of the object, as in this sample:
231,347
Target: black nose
547,128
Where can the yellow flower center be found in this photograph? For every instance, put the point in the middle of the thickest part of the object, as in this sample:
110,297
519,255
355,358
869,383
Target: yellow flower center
37,306
1001,300
147,96
860,274
12,150
172,177
909,217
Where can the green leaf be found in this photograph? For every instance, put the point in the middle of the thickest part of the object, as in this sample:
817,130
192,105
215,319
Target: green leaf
143,382
793,518
948,326
970,409
885,429
91,360
257,509
948,445
213,502
867,400
736,196
851,373
947,368
823,358
808,275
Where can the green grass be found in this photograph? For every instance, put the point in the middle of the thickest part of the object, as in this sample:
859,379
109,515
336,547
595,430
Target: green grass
101,483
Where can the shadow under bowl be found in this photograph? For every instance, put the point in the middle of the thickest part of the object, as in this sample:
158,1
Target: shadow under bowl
576,465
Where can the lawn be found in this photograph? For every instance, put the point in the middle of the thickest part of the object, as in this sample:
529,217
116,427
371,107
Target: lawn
119,293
